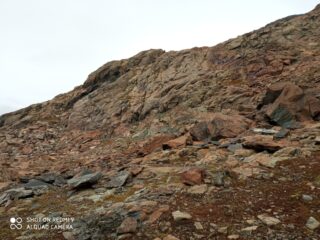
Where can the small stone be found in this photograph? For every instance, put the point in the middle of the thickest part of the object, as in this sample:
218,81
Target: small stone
126,236
177,216
218,178
129,225
312,223
170,237
198,226
249,229
268,220
264,131
234,236
307,198
198,189
68,236
252,221
223,230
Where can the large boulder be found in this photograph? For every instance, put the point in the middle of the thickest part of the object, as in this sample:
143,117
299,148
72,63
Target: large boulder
220,126
286,104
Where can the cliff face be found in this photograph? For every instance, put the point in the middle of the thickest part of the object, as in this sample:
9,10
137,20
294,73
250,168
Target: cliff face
200,105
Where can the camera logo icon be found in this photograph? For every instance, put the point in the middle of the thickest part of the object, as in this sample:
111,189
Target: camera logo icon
15,223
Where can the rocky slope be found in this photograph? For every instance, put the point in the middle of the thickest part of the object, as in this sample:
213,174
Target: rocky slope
208,143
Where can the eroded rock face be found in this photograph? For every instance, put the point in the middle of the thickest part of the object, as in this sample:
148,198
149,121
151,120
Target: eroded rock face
177,131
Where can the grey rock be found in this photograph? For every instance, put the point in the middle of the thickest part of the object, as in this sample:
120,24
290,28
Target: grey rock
35,184
268,220
97,227
282,116
282,133
307,198
218,178
234,147
84,180
119,180
52,178
312,223
15,193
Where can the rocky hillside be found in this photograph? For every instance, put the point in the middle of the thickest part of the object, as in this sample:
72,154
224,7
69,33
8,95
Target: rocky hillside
207,143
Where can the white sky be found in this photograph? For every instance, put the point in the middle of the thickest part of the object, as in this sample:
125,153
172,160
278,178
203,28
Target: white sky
49,47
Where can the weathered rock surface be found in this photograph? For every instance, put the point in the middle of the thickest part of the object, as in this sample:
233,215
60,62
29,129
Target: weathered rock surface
288,104
193,176
222,133
129,225
261,143
84,180
119,180
220,126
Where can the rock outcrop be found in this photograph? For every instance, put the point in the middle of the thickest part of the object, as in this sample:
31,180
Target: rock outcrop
215,142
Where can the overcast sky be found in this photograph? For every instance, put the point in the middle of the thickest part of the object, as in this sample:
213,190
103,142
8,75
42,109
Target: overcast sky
49,47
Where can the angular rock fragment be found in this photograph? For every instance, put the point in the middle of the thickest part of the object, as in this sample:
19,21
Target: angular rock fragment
220,126
262,143
178,216
198,189
84,180
268,220
312,223
129,225
15,193
193,176
178,142
119,180
287,104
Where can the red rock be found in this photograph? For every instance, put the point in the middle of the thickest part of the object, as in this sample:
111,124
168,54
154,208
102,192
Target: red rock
157,214
26,150
220,126
262,142
129,225
287,104
135,170
178,142
193,176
